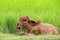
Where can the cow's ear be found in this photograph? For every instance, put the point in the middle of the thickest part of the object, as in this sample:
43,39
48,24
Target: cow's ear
31,21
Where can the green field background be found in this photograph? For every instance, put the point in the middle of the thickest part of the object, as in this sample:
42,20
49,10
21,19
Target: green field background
48,11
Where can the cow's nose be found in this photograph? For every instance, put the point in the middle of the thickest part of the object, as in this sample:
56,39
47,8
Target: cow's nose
19,27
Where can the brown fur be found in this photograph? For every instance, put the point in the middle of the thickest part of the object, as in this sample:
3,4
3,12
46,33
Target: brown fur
38,27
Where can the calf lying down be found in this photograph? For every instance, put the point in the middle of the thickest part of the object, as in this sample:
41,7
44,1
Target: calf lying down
32,27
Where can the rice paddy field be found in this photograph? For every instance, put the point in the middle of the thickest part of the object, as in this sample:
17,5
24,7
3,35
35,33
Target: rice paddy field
48,11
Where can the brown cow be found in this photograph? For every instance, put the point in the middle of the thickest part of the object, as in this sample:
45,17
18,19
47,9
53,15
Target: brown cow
36,28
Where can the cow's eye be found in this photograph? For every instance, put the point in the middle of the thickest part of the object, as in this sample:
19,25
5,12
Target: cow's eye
24,20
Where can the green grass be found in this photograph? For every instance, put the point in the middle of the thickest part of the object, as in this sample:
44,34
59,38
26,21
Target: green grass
48,11
5,36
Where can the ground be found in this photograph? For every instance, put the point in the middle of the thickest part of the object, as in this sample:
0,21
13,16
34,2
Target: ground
5,36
